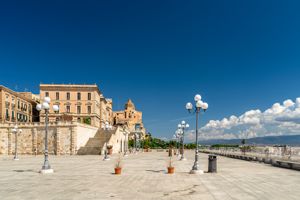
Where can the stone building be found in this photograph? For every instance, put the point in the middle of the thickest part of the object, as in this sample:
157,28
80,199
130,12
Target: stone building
106,111
81,103
130,117
78,127
16,107
29,95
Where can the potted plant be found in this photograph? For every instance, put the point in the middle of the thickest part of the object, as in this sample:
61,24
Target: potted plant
171,167
109,149
118,165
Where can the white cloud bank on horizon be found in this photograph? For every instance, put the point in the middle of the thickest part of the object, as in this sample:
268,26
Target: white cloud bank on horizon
278,120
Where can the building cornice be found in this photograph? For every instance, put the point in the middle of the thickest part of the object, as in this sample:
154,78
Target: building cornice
17,94
70,87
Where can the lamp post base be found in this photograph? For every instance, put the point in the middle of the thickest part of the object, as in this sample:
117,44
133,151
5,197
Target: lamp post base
182,158
193,171
46,171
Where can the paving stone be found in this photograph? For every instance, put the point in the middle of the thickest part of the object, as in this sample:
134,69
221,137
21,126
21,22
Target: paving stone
144,177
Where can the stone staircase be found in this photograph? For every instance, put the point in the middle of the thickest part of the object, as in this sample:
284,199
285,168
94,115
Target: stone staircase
95,144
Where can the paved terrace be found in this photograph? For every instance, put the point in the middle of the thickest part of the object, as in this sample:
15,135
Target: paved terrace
144,177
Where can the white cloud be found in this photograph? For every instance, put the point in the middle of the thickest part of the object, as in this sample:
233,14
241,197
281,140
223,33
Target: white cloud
280,119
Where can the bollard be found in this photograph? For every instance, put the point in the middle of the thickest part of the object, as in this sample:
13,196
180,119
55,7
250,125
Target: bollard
170,152
212,163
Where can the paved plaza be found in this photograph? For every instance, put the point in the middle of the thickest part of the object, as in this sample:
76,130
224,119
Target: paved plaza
144,177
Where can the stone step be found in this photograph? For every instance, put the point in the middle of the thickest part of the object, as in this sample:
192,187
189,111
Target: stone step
89,151
96,143
93,142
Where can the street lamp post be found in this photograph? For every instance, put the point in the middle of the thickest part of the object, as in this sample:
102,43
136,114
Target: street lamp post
136,142
15,130
179,138
175,139
141,146
182,127
178,143
126,144
137,133
200,105
178,135
107,128
46,169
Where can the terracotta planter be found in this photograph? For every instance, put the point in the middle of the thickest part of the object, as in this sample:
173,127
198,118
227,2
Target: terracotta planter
118,170
171,170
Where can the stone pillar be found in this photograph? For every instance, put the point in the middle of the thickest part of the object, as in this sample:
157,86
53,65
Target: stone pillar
9,134
34,141
58,132
73,142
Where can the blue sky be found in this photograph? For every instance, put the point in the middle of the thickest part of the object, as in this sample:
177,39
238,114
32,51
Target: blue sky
239,55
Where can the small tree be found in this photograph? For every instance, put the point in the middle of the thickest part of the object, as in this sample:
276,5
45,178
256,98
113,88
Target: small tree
87,120
131,143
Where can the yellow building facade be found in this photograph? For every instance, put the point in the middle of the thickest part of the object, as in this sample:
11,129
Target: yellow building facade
82,103
16,107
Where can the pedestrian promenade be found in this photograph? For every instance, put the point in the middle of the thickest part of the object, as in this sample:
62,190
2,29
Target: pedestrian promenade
144,177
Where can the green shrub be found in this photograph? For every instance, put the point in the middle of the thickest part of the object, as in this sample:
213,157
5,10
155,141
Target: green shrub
87,120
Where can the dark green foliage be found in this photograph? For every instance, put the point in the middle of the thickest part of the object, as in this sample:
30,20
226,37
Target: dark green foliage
130,143
156,143
190,146
87,120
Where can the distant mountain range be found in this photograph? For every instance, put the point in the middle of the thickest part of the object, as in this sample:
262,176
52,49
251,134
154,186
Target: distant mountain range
291,140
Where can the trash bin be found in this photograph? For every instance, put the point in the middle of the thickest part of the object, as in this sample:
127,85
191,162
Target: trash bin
212,163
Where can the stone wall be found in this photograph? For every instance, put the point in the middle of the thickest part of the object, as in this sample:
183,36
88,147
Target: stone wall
63,138
84,133
119,140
